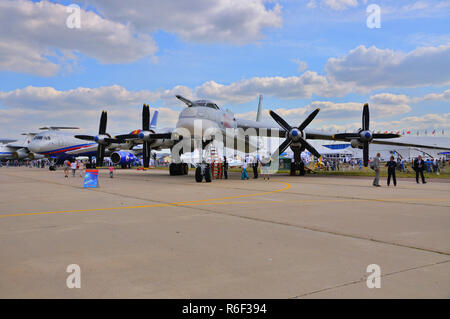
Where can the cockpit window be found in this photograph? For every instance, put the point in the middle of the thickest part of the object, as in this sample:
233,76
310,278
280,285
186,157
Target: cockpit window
37,138
205,103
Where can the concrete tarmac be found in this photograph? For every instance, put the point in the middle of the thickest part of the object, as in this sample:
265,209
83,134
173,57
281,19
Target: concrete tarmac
144,234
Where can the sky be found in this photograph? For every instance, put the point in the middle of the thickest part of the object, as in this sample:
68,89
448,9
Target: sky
299,55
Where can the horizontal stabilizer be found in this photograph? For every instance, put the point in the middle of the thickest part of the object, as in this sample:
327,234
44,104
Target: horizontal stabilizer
55,128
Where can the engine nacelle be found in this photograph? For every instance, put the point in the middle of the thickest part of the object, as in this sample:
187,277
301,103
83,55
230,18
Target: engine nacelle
356,144
123,158
20,154
34,156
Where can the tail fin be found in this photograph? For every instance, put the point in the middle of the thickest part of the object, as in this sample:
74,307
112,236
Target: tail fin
154,121
258,114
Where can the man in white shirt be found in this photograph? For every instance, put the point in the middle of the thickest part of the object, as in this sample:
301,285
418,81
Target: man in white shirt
73,166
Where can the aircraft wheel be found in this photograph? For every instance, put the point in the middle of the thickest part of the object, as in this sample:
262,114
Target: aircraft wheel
185,169
198,174
171,169
208,175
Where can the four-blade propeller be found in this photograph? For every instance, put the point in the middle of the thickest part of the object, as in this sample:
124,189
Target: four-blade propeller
103,139
146,135
295,137
364,135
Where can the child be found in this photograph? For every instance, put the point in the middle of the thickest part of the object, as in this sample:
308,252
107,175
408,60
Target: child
111,171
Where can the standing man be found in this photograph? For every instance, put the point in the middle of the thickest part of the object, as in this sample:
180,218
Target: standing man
225,167
391,165
255,165
419,166
375,165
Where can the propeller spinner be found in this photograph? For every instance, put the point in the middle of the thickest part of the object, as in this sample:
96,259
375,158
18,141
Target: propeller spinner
365,136
295,137
103,139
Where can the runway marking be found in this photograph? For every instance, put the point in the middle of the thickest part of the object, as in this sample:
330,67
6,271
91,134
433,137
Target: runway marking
217,202
174,204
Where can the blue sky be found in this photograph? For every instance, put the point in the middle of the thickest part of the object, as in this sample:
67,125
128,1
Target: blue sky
251,47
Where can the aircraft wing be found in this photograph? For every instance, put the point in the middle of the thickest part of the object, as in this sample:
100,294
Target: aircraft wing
7,140
16,146
254,128
401,141
406,144
82,150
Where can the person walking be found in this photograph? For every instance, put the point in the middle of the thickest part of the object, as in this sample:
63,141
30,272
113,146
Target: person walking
73,166
81,168
419,167
392,166
225,167
244,174
375,165
66,168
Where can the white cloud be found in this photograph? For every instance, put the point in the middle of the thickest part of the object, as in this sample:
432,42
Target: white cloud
302,65
293,87
339,5
33,34
373,68
210,21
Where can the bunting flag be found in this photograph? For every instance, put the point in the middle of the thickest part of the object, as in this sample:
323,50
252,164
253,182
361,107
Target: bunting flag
434,132
409,132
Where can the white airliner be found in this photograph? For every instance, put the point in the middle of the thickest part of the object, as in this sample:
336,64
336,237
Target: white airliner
11,151
58,145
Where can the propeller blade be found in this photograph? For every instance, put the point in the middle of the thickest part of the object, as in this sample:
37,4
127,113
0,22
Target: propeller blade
85,137
346,135
156,136
366,118
282,147
100,154
145,118
146,154
280,121
103,121
113,140
127,136
366,154
308,119
385,135
310,148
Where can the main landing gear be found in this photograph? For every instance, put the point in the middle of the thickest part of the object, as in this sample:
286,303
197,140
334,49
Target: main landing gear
203,170
178,169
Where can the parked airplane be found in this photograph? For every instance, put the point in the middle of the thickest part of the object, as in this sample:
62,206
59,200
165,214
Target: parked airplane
204,121
11,151
59,146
